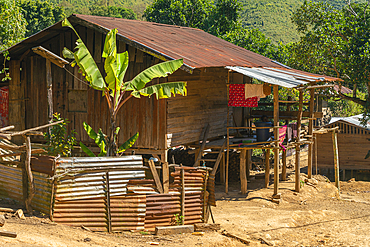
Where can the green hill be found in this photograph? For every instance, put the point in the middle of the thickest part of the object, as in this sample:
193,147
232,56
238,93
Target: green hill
272,17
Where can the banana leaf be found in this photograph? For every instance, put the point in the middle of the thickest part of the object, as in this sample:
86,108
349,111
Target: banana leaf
163,90
85,61
367,155
159,70
87,150
129,143
99,138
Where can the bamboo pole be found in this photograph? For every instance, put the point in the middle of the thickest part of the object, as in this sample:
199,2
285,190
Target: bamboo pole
267,167
183,196
336,159
276,136
298,148
227,164
310,132
315,141
283,173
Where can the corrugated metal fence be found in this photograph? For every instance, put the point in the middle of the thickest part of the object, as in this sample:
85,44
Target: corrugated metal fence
78,192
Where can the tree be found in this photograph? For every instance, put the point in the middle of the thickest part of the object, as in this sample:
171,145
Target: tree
252,40
114,88
113,11
216,18
12,24
337,43
40,15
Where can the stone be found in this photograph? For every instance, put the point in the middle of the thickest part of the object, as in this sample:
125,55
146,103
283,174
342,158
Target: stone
19,214
166,230
2,220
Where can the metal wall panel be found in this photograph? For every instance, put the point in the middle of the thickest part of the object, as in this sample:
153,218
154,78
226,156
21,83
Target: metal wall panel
83,178
11,183
42,199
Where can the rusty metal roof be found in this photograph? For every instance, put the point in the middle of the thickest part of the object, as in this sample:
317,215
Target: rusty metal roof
198,48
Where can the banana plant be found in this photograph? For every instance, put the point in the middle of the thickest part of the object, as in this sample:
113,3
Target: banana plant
114,88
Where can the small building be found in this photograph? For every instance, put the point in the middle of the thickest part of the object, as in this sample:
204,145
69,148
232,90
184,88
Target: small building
161,124
353,144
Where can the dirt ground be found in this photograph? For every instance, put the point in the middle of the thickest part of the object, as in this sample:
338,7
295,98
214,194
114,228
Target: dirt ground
318,216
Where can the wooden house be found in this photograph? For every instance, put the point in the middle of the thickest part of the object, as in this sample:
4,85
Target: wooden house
161,124
353,144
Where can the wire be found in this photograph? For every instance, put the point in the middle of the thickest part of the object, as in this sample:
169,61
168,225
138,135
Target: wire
76,77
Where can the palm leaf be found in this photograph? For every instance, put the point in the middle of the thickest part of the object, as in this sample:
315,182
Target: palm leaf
163,90
87,150
85,61
129,143
159,70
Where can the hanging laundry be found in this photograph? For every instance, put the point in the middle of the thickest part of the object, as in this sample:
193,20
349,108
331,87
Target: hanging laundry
237,97
4,106
257,90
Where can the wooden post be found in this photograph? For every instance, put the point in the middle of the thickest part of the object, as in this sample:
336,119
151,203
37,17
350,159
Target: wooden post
310,132
166,177
49,83
336,158
16,94
108,201
298,148
155,176
249,162
243,171
315,141
267,167
183,195
205,204
227,163
283,173
24,178
31,183
276,136
222,168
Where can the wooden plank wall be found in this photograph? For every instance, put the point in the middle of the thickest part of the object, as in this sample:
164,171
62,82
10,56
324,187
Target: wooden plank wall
206,102
352,145
77,102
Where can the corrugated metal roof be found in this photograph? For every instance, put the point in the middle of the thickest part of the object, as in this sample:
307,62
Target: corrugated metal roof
284,77
355,120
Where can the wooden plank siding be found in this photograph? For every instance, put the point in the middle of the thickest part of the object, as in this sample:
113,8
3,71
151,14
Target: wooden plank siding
206,102
137,115
183,118
352,151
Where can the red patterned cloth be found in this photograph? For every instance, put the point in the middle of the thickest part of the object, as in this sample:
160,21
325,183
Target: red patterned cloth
237,97
4,106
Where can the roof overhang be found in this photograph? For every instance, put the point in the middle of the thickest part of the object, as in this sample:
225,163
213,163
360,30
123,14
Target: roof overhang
285,77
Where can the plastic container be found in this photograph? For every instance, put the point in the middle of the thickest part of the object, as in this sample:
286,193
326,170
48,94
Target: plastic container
263,134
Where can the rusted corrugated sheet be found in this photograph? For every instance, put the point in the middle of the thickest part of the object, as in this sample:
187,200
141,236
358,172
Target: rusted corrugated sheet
127,213
76,178
161,210
11,188
11,183
42,198
142,186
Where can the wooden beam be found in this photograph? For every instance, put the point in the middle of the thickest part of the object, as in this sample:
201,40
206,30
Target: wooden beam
243,172
196,163
298,149
315,86
310,131
183,196
283,173
336,158
51,57
283,114
155,176
267,167
276,136
8,234
166,177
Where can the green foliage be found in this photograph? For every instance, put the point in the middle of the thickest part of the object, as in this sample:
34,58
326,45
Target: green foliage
216,18
59,143
129,143
114,88
5,70
12,24
179,219
40,14
345,108
335,42
113,11
253,40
